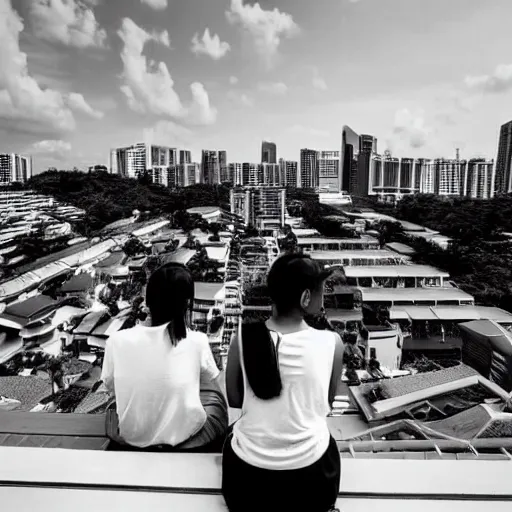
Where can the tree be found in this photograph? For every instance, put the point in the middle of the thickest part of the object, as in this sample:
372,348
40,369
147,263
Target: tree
134,247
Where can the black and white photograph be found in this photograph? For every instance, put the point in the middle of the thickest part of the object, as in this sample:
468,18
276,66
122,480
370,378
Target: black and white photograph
255,255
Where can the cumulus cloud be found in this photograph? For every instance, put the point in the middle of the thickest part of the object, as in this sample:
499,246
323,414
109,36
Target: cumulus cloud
266,27
58,149
22,101
277,88
158,5
210,45
233,80
149,87
307,130
78,103
499,81
411,128
70,22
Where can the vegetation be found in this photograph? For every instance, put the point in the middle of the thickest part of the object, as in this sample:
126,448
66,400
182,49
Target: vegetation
325,219
107,198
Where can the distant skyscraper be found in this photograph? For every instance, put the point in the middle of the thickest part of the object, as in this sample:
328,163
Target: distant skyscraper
130,161
348,158
252,174
213,167
289,171
268,153
14,168
223,167
235,173
329,179
308,168
477,180
185,157
272,175
503,178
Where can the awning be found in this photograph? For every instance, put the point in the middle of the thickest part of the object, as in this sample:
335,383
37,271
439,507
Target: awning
398,314
419,313
456,313
341,315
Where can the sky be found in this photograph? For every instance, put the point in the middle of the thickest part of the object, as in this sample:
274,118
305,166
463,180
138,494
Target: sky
80,77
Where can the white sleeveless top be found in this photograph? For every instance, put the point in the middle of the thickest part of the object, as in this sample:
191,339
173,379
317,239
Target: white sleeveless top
290,431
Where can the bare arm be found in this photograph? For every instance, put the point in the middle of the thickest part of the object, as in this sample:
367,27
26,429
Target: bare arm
337,368
234,376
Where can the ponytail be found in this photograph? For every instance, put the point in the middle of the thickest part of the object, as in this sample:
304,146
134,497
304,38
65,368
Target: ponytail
261,360
169,296
177,328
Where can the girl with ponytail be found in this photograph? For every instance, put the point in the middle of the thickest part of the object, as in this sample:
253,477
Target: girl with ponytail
163,375
283,374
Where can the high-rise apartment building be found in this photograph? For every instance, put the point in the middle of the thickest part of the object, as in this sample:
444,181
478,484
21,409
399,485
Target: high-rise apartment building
289,172
503,178
132,161
329,179
214,167
263,207
308,168
272,175
268,153
14,168
367,143
210,169
235,173
393,177
350,142
478,179
182,175
252,174
185,157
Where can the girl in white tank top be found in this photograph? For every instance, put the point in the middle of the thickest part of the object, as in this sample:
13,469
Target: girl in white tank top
283,375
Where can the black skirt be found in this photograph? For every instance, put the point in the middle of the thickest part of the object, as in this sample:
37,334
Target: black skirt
311,489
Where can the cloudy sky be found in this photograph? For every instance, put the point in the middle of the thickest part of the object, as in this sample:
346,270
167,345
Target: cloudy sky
81,76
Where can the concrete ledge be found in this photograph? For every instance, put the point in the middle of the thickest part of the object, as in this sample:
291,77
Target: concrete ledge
201,474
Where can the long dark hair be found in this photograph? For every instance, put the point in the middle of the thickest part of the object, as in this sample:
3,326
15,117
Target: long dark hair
261,361
169,295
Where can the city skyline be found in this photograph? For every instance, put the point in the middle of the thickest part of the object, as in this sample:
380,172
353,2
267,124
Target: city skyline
233,86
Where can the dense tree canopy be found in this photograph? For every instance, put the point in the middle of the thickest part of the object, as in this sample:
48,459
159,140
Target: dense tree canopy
107,198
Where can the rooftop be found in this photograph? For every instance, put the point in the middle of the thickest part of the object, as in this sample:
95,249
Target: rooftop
419,294
395,271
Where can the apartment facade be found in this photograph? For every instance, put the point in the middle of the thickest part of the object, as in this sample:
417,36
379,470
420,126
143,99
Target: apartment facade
289,173
329,171
263,207
309,168
14,168
478,179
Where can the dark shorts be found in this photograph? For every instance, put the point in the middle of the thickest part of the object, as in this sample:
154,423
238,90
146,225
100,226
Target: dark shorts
311,489
209,439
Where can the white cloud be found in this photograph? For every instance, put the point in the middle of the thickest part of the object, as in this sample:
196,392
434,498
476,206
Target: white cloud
58,149
307,130
70,22
149,87
240,99
411,128
267,28
210,45
158,5
499,81
78,103
233,80
22,100
277,88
